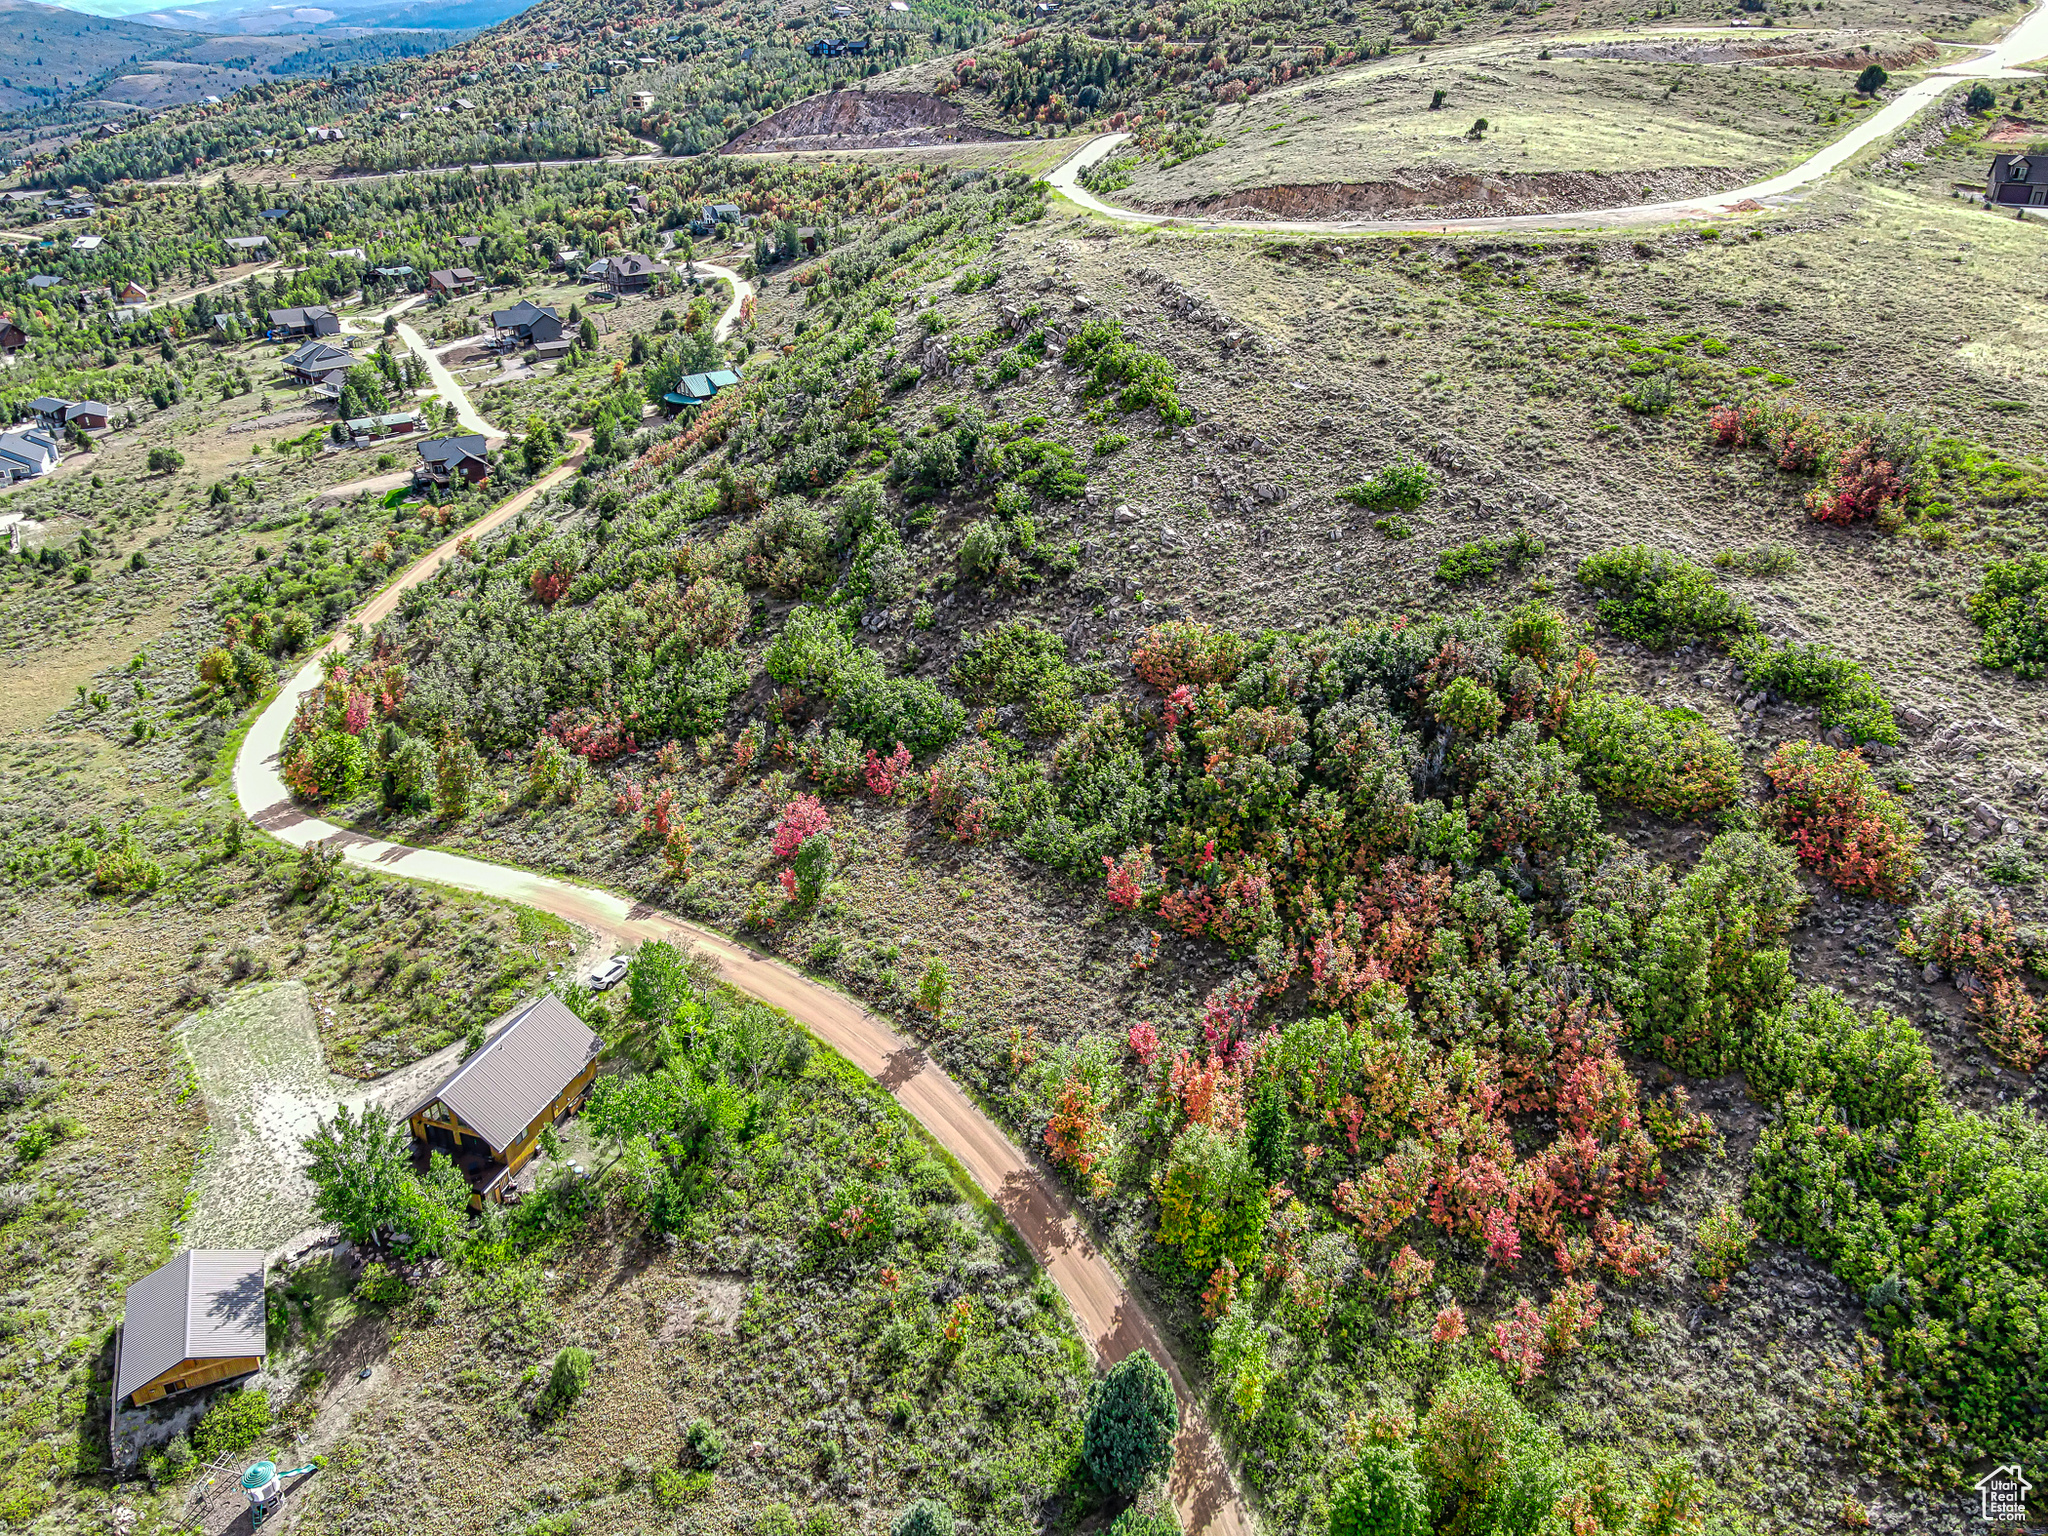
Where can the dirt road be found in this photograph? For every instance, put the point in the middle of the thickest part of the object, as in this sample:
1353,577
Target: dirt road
2028,40
1110,1317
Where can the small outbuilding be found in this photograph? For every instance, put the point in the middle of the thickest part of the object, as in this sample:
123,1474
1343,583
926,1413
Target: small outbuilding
197,1321
488,1114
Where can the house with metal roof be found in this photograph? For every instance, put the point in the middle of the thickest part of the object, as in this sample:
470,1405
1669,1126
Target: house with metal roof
247,242
368,429
90,414
48,410
197,1321
489,1112
696,388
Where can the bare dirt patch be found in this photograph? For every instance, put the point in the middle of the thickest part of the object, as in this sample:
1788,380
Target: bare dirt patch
1810,50
1455,195
863,120
705,1303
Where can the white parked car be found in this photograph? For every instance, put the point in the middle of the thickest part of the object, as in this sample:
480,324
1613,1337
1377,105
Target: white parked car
608,975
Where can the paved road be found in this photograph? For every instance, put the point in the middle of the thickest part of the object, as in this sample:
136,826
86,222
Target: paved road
1111,1318
2028,40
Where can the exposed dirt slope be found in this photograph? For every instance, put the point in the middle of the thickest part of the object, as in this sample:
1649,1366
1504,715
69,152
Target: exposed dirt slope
863,120
1456,195
1812,50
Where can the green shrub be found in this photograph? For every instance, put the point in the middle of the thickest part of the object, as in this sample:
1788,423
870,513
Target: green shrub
1873,1069
1397,488
566,1381
1127,1440
1382,1495
1021,663
2011,607
1759,560
1524,791
1847,694
1135,377
236,1421
1467,1440
926,1517
1484,559
1669,762
1721,1247
1212,1200
1143,1522
705,1443
673,1489
1940,1223
381,1286
1713,958
1661,600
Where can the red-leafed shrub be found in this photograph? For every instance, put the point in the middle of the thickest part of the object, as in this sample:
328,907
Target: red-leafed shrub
1865,485
803,817
1183,651
884,774
1077,1134
548,585
1979,947
1518,1342
598,735
1839,820
1144,1040
960,789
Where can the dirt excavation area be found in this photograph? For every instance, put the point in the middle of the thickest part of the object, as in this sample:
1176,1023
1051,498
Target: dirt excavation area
1488,129
863,120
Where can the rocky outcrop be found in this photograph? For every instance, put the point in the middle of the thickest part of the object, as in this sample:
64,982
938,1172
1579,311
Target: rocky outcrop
862,120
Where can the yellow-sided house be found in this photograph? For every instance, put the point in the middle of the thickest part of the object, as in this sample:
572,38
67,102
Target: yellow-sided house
196,1321
489,1112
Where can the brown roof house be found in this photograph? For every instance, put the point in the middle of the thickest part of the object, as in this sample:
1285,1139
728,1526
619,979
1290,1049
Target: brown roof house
488,1114
196,1321
451,280
2017,181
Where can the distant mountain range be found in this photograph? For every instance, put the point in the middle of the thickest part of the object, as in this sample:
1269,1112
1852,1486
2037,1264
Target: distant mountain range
266,17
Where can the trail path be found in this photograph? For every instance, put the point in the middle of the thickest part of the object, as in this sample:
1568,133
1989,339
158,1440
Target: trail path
2027,40
1111,1318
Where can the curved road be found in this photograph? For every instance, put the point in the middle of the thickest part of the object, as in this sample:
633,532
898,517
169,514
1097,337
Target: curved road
450,388
1111,1318
2028,40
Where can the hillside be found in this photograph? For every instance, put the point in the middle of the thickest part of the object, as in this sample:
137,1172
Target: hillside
1254,769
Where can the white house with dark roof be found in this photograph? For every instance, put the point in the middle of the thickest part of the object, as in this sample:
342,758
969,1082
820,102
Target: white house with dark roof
197,1321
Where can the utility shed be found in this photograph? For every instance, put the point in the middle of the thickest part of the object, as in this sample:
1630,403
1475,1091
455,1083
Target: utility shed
489,1112
196,1321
